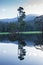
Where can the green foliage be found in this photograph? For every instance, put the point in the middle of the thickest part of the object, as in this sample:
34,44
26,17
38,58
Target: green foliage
21,22
12,27
38,27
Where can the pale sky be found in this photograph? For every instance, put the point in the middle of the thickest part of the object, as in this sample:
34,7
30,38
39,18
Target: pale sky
8,8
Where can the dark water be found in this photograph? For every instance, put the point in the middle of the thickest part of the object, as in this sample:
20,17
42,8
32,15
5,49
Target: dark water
9,54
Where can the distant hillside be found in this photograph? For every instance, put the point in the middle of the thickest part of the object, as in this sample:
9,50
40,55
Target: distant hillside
30,17
9,20
27,18
39,18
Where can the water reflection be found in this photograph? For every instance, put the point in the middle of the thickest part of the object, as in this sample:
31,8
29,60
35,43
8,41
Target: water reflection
21,50
9,56
38,44
21,45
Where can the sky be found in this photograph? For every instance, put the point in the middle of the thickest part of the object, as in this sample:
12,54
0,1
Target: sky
8,8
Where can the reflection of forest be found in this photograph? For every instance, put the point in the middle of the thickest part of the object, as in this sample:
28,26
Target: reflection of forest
21,50
39,43
39,47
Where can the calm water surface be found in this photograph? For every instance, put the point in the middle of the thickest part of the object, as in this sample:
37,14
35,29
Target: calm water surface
9,55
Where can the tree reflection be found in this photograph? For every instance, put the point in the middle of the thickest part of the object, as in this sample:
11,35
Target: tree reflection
21,50
39,42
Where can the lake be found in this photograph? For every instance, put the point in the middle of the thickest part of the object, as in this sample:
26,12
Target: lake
9,54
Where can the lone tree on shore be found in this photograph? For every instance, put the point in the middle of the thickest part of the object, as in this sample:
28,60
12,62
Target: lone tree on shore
21,17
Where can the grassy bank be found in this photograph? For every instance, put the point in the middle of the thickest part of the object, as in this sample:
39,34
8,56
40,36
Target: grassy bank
30,32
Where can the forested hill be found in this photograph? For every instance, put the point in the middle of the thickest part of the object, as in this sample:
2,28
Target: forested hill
31,24
27,18
12,24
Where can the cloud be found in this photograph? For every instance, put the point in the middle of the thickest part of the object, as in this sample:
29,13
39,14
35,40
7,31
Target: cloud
32,2
3,10
34,9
